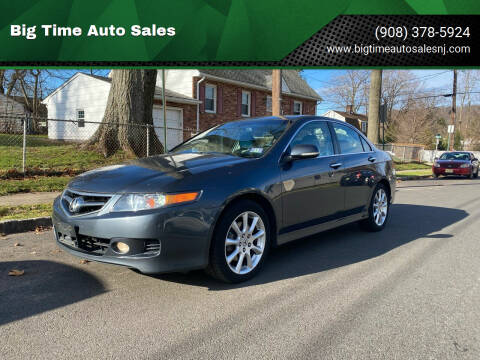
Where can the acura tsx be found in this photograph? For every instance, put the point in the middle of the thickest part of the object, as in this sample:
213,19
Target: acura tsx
222,199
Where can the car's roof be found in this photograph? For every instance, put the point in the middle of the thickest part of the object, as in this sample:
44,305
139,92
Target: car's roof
294,118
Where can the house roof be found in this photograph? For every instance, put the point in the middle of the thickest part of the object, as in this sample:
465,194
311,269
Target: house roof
170,95
355,116
263,78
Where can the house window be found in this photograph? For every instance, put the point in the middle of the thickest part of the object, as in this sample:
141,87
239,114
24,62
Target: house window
297,108
269,104
80,118
246,100
210,98
364,127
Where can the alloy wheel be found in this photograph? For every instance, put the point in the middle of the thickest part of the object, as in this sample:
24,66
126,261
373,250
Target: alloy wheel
245,242
380,207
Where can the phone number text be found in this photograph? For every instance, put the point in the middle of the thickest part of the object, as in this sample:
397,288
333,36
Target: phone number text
402,32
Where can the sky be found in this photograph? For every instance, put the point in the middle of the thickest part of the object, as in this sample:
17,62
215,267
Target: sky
439,80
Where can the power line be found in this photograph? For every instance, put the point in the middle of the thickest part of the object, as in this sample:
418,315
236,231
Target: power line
431,76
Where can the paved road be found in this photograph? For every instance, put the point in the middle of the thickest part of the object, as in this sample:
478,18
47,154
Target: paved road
410,292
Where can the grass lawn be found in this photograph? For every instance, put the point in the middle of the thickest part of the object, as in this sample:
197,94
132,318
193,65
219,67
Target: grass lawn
25,211
63,158
39,183
411,166
44,153
419,172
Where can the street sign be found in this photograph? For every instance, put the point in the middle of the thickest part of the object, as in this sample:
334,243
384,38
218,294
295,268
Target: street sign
451,129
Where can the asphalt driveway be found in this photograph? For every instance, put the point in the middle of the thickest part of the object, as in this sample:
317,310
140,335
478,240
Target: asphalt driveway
409,292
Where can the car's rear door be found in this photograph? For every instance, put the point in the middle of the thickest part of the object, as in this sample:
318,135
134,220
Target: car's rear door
358,166
311,187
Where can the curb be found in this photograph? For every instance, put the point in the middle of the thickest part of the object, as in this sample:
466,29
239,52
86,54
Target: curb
24,225
414,177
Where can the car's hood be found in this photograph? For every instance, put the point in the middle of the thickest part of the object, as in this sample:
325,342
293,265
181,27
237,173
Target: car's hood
151,174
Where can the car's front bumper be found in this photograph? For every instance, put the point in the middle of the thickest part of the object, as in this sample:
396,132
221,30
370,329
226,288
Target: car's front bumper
182,233
450,171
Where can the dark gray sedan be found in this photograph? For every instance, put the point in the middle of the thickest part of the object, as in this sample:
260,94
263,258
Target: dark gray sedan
222,199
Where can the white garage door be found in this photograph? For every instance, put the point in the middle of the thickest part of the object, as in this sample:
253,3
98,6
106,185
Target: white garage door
174,125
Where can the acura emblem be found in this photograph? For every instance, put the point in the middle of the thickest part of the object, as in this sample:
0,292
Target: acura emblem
76,204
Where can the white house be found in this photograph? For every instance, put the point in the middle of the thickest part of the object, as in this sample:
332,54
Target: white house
360,121
83,99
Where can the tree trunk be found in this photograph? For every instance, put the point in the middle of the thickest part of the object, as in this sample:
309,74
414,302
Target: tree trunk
130,102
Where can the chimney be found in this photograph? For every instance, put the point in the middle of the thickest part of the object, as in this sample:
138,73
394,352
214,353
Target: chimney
350,109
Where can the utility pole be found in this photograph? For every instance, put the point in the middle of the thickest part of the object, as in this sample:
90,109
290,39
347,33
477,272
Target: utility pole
277,92
374,105
453,112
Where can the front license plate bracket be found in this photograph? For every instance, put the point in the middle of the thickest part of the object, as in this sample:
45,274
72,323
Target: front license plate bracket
67,234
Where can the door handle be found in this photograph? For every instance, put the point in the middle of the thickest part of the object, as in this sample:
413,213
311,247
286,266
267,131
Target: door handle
335,165
372,159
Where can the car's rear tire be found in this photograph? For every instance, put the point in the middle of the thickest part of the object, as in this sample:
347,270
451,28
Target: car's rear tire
378,210
237,251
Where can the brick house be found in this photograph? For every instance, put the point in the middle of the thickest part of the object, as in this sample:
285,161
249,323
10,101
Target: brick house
227,94
195,99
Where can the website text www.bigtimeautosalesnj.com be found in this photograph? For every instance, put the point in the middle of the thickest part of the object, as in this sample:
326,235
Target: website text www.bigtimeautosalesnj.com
398,49
403,33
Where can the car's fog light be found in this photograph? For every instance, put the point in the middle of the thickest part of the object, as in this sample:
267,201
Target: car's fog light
121,247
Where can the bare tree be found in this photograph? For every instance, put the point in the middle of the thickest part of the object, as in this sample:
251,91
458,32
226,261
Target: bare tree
468,80
415,120
351,88
130,101
395,85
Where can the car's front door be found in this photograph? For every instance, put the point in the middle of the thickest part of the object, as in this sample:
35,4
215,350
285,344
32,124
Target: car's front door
358,162
311,187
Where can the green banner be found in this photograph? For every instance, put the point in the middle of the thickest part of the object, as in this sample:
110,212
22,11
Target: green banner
39,31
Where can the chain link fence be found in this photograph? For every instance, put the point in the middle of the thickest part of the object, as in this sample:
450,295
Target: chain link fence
403,152
40,146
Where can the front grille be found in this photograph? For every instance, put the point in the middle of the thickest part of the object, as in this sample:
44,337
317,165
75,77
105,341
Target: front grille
450,165
79,203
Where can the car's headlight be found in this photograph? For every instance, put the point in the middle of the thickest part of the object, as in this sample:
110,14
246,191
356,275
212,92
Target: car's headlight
465,165
136,202
436,164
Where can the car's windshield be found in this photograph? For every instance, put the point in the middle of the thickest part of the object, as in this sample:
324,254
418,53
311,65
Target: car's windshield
245,138
455,156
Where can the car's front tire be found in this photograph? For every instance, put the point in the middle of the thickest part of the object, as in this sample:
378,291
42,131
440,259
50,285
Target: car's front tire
240,243
378,210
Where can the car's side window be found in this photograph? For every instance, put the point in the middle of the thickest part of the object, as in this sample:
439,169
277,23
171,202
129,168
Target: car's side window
315,133
348,139
366,145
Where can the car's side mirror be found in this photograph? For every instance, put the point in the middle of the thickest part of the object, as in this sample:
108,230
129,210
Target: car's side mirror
302,151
